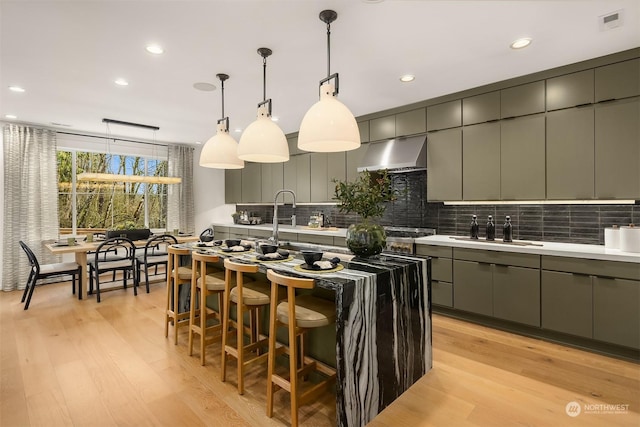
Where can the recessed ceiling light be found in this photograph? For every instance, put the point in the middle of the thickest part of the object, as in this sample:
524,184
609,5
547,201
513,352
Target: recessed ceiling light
407,78
521,43
274,119
198,143
155,49
204,86
10,116
16,89
238,130
122,82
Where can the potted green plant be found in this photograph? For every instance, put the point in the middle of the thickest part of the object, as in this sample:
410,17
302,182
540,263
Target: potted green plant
366,196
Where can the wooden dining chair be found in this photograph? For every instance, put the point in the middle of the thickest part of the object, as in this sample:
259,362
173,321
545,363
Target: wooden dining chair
155,254
45,271
124,262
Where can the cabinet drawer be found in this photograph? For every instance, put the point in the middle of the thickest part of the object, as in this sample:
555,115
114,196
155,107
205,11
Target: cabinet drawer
340,241
219,229
287,235
495,257
441,269
259,233
435,251
442,293
314,238
622,270
239,231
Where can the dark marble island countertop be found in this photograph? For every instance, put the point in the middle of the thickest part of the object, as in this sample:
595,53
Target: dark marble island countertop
382,329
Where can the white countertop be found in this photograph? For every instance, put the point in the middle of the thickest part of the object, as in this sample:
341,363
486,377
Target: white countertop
301,229
542,248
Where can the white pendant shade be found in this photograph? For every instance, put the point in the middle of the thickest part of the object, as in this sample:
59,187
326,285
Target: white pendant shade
328,126
221,151
263,141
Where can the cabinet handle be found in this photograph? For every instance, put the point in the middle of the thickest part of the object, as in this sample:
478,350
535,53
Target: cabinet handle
606,100
586,104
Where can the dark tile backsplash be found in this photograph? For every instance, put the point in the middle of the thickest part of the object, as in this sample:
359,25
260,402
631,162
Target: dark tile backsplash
554,223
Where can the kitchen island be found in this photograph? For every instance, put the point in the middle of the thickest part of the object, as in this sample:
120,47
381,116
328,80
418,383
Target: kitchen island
382,329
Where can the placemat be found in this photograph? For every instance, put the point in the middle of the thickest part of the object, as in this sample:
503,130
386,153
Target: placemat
333,270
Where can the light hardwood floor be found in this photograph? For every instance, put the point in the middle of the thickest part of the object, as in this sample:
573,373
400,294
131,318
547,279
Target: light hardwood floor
68,362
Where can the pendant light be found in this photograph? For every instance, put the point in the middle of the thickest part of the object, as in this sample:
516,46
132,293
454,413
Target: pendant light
221,150
263,141
328,126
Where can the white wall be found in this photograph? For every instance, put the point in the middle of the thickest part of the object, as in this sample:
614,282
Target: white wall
208,192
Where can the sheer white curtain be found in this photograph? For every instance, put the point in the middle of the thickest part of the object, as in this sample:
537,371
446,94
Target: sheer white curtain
180,204
30,199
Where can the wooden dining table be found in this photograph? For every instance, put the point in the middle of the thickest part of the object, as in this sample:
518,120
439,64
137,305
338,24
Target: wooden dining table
81,249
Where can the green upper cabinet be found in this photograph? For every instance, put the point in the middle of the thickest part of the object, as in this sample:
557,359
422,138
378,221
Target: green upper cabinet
353,159
293,146
233,186
303,177
319,177
444,165
444,116
617,153
411,122
481,162
522,100
570,159
272,180
382,128
620,80
251,187
481,108
336,169
570,90
363,127
522,158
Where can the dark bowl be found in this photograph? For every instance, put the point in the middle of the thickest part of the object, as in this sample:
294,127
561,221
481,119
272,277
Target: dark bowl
206,238
268,249
232,242
311,256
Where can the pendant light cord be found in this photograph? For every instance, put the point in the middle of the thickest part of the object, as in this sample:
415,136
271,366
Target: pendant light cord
264,78
222,89
328,50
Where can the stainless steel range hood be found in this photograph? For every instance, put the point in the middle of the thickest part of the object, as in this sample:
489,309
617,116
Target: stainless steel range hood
398,155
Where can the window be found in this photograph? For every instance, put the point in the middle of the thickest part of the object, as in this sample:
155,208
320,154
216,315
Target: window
104,205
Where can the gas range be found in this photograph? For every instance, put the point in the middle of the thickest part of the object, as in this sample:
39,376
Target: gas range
403,239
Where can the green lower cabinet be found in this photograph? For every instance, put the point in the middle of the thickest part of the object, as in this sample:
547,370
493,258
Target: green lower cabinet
567,303
616,311
442,293
473,284
516,294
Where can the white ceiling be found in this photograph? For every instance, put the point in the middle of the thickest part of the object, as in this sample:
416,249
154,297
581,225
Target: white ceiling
67,54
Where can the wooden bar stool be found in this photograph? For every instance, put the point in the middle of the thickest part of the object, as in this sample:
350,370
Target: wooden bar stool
177,276
298,315
248,297
214,284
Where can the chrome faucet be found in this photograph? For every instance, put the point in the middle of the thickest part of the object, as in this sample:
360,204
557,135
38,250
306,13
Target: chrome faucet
274,237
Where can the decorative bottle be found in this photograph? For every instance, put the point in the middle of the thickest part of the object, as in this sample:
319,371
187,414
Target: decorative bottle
491,229
507,235
474,227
